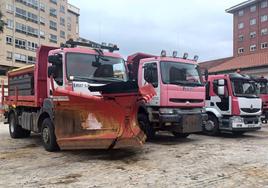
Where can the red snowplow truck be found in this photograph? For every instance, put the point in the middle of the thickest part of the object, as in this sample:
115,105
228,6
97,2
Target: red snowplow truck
77,98
178,106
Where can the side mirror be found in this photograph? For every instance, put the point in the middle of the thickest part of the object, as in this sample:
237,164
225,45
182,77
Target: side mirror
55,59
221,90
206,75
52,71
221,82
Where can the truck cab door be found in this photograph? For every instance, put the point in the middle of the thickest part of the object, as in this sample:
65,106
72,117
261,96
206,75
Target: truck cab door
150,75
222,102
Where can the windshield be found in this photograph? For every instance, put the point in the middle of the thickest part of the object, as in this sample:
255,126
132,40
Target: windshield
95,67
262,87
180,74
244,88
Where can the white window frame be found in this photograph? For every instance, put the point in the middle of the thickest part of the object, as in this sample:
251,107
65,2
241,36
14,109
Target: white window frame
253,21
253,8
264,4
241,50
241,13
253,34
241,25
9,40
264,31
264,18
264,45
253,48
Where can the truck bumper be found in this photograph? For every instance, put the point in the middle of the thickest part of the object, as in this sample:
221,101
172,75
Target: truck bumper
242,124
183,123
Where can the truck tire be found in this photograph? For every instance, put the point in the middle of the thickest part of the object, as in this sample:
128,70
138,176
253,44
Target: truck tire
180,135
212,126
15,130
146,127
48,136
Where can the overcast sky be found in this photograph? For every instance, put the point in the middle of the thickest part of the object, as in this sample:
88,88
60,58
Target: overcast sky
195,26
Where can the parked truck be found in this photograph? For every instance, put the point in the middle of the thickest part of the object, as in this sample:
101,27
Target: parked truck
77,98
178,106
262,90
232,104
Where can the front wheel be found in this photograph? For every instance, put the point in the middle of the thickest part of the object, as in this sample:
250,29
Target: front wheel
48,136
180,135
211,128
146,127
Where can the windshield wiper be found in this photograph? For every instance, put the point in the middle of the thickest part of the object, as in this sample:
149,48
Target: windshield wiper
185,83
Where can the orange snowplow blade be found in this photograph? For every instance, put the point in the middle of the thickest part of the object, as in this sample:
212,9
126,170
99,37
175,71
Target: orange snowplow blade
109,121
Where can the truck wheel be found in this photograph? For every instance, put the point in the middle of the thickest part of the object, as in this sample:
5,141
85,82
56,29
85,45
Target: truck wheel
211,128
15,130
145,126
48,136
180,135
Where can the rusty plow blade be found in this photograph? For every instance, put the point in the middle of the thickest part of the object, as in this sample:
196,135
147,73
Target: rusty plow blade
98,122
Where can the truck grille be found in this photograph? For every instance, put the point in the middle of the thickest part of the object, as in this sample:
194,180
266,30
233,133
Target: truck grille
249,110
185,100
251,120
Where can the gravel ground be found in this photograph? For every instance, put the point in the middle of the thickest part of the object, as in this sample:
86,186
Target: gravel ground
198,161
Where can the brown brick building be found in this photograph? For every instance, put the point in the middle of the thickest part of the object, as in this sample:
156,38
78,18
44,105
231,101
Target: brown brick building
250,41
250,27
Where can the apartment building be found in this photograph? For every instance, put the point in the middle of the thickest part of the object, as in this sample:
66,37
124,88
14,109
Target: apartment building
31,23
250,30
250,41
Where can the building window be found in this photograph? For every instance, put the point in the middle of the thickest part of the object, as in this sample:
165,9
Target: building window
253,48
240,50
241,25
21,28
32,46
42,34
10,24
264,4
62,34
32,31
241,13
42,21
9,55
240,38
20,43
253,34
53,12
20,58
32,17
42,7
9,40
253,21
264,18
264,31
264,45
53,25
69,27
31,60
9,8
54,1
62,9
53,38
62,21
21,13
253,8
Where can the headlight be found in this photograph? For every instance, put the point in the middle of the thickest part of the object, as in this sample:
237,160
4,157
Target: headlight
238,119
166,111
